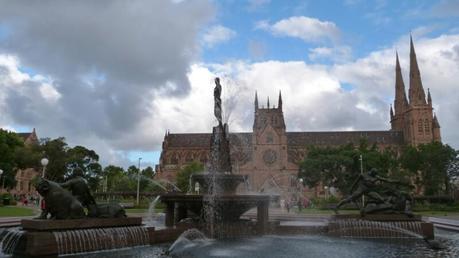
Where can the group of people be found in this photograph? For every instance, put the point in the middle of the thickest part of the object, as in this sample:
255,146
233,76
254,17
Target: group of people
27,199
300,202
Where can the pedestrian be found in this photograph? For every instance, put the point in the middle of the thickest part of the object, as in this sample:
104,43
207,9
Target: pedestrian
300,204
287,206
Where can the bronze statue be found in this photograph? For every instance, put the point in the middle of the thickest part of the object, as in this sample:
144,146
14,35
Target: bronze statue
368,185
63,204
218,101
60,203
79,188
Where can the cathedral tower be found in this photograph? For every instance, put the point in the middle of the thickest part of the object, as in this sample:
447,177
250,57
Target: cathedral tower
415,118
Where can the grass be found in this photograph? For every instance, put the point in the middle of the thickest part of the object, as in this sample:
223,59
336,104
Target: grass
141,210
324,212
15,211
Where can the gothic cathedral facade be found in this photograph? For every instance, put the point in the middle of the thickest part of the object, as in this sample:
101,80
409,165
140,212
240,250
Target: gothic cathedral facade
270,154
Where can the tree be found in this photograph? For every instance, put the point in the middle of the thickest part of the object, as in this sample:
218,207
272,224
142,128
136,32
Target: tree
9,143
339,166
183,176
56,152
429,163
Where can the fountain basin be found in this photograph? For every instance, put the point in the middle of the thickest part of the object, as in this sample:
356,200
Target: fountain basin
222,183
57,237
228,207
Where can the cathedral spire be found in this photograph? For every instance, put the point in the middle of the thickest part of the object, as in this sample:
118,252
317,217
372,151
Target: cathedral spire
429,98
391,113
279,103
400,102
416,92
435,123
256,101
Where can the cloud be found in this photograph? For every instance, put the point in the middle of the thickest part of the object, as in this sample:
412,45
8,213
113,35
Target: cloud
338,54
101,64
217,34
306,28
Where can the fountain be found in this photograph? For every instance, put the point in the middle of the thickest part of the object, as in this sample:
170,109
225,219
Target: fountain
218,210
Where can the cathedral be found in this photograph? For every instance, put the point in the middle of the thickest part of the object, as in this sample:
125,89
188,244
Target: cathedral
270,154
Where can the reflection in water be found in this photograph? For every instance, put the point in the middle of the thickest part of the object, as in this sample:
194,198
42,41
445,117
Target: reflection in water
300,246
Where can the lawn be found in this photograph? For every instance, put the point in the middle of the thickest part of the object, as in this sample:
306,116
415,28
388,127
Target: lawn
15,211
142,210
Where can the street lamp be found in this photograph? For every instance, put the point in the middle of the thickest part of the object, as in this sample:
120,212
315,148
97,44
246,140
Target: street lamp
138,184
44,163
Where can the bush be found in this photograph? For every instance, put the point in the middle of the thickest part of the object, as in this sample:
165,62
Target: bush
435,199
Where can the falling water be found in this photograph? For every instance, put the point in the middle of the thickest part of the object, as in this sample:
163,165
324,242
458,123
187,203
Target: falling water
88,240
151,215
352,228
10,240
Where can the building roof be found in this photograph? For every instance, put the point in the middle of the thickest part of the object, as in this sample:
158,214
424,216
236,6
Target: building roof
340,138
202,140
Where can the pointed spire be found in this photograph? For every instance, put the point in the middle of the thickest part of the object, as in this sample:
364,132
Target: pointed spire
416,92
435,123
279,103
268,102
429,98
401,102
256,101
391,112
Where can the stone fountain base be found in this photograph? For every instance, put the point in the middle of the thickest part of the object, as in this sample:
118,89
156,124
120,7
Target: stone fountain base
380,226
57,237
228,210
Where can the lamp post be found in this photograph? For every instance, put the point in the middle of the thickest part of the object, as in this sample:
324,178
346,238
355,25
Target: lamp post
44,162
138,184
361,173
3,181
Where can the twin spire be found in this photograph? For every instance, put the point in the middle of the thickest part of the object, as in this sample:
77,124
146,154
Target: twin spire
416,92
279,102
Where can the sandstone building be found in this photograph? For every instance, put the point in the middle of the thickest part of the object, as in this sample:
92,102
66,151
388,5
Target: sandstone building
270,154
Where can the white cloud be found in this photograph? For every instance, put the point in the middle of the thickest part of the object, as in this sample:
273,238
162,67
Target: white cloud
338,54
217,34
305,28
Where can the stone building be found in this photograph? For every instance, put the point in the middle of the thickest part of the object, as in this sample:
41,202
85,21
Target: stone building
270,154
24,176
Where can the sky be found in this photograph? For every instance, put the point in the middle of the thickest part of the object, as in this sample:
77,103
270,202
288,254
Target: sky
115,75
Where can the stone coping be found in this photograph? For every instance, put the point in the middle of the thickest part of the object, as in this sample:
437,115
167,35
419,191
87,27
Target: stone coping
48,225
378,217
229,198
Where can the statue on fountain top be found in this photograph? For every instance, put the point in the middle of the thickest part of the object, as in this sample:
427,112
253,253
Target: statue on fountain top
220,160
218,101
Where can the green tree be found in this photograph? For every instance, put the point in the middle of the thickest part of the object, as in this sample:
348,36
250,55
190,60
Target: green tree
56,152
9,143
429,163
339,166
183,176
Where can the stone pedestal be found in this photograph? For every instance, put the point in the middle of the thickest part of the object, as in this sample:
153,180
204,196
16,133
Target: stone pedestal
54,237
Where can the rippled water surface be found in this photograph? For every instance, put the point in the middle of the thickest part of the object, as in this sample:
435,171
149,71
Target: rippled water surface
296,246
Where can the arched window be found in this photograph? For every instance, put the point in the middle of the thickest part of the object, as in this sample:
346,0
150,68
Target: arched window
420,126
174,159
426,125
269,138
189,158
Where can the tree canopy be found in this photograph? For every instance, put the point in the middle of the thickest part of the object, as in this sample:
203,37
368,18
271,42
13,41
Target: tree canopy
426,164
183,176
